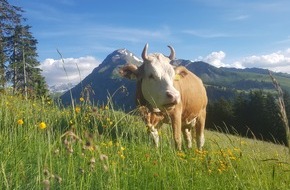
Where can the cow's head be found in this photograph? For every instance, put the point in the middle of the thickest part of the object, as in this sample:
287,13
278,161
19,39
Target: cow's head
156,76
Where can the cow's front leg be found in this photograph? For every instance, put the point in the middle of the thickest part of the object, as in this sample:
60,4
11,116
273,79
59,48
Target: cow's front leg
176,127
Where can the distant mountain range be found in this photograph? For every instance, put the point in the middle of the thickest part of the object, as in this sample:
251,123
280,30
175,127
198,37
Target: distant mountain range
60,88
104,83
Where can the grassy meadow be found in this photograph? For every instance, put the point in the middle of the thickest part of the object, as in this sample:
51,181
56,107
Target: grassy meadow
46,146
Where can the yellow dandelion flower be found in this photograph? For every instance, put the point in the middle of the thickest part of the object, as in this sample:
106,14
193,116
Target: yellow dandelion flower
122,156
110,143
200,152
122,148
77,109
181,154
223,166
82,99
106,107
230,153
42,125
233,158
20,122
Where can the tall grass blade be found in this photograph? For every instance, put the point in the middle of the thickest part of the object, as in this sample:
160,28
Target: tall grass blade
281,105
4,176
70,92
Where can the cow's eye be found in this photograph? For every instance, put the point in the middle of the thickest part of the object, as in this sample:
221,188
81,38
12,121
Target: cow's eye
151,76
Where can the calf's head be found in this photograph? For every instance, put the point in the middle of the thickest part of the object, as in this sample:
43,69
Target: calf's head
152,118
156,76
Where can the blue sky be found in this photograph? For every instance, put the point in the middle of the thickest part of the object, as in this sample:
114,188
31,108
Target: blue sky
233,33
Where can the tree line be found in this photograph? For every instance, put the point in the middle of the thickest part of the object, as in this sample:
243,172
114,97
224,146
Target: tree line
19,67
255,114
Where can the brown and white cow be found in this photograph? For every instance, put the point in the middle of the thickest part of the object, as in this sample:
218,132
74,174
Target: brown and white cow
177,92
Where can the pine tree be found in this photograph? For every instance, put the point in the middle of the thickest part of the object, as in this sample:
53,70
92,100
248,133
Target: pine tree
9,17
18,55
23,68
2,63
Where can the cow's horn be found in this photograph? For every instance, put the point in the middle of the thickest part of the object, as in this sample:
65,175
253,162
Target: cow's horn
172,53
144,53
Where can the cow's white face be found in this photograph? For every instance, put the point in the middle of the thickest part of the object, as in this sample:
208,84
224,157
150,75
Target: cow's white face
157,82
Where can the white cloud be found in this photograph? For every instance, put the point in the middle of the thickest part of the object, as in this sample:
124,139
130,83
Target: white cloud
215,59
77,69
277,61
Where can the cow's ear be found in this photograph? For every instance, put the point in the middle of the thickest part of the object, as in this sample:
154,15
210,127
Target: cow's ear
129,71
180,72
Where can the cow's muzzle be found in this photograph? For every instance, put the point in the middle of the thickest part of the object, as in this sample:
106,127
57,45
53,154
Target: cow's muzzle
173,98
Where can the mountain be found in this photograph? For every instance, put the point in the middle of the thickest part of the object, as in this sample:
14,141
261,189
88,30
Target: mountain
104,83
60,88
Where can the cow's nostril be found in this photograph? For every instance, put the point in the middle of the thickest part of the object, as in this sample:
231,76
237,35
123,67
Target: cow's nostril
169,95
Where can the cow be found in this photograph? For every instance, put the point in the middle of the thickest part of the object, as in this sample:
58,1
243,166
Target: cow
175,91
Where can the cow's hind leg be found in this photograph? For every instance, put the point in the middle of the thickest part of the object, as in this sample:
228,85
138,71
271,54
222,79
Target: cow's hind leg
200,130
189,132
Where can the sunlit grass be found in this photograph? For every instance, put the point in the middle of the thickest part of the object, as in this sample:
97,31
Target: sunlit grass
45,146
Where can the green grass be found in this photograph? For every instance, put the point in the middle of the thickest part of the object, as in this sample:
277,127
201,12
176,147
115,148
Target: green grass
100,148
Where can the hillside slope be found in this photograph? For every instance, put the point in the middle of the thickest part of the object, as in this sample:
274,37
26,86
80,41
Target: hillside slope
44,146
